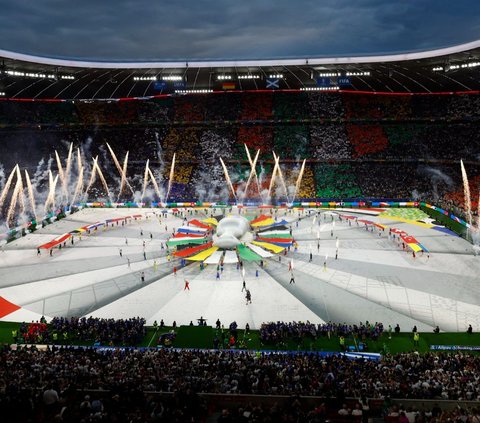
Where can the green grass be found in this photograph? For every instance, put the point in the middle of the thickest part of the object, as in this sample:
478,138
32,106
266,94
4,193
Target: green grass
6,331
194,337
202,337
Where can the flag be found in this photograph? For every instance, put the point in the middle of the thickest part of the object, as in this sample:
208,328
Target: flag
179,85
324,82
228,85
159,85
344,80
273,83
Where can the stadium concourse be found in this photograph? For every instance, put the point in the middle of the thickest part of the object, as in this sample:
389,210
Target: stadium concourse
347,266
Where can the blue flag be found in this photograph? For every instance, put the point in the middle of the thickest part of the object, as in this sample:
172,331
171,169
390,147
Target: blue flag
344,80
323,82
273,83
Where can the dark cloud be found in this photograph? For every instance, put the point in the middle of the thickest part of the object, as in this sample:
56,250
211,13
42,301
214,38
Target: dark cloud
243,29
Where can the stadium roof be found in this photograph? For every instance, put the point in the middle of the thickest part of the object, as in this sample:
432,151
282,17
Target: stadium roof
441,70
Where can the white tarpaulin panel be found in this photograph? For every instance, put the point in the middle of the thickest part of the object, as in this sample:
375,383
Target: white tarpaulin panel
260,251
230,257
214,258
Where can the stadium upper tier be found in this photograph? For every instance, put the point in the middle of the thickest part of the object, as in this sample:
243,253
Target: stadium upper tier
442,70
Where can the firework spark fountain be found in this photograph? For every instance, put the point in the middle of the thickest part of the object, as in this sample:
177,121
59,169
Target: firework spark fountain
252,173
466,191
21,199
68,168
6,188
299,181
145,179
280,174
124,180
155,185
31,195
61,174
78,186
13,202
122,172
274,174
227,177
92,176
102,178
254,170
170,179
52,184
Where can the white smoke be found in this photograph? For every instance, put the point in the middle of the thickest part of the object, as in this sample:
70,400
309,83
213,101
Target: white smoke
438,179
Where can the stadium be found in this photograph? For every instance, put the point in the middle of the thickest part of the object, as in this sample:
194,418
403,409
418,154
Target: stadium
303,198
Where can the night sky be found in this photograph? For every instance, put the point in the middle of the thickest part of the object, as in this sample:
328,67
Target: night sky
225,29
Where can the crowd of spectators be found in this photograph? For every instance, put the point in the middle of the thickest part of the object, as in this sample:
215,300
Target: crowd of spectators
379,139
273,332
366,140
337,181
245,106
408,375
34,332
104,331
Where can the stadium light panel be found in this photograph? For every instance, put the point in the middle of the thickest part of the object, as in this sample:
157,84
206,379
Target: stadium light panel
203,91
357,74
332,88
36,75
172,78
327,74
144,78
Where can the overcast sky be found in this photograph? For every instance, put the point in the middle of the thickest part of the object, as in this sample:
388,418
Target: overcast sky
226,29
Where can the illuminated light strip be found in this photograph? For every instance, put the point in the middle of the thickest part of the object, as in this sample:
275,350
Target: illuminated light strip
357,74
193,91
456,66
37,75
333,88
172,78
144,78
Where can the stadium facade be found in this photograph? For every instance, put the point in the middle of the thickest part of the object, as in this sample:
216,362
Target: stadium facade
441,70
